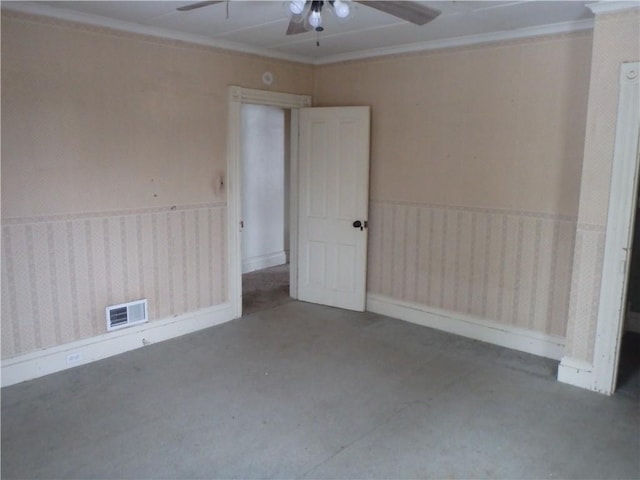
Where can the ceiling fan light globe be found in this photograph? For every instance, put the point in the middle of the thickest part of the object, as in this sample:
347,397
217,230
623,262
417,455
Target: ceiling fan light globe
341,9
296,6
315,19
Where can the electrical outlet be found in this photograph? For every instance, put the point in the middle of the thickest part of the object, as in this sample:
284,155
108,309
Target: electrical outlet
74,358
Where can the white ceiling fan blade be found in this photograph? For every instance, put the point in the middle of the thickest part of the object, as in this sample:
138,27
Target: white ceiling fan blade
193,6
412,12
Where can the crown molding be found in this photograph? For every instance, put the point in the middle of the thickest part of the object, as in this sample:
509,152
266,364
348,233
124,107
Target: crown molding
553,29
34,8
612,6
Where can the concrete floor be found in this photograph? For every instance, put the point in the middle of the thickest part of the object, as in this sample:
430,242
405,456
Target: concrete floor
266,288
305,391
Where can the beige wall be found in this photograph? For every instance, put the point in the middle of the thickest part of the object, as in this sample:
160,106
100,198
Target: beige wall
89,112
498,126
616,39
113,145
475,174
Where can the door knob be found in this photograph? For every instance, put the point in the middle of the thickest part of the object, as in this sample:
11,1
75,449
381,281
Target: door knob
359,224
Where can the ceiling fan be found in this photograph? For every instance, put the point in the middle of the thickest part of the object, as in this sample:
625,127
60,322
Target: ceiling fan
306,14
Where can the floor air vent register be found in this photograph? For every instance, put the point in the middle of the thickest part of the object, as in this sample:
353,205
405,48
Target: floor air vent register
126,314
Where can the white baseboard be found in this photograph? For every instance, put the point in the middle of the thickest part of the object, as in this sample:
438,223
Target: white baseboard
577,372
536,343
50,360
263,261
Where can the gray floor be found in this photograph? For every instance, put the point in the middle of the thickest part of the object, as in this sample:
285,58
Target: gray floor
304,391
264,289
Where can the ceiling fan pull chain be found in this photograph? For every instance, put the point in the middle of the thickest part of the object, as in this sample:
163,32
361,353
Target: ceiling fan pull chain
227,9
318,38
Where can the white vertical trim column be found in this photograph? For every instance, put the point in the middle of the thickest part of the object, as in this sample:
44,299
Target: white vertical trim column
620,217
293,203
234,202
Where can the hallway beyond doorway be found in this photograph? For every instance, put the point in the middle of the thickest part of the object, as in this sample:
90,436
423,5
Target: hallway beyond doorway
264,289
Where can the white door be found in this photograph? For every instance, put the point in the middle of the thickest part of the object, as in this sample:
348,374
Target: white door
333,206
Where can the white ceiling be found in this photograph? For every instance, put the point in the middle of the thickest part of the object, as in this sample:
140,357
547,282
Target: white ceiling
259,26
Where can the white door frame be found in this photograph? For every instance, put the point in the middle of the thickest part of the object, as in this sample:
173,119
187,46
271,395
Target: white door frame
237,96
619,233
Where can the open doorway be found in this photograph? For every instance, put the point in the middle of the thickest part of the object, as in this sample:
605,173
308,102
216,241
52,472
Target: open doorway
239,96
629,366
265,157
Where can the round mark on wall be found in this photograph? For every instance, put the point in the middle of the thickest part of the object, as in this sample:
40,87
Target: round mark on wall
267,78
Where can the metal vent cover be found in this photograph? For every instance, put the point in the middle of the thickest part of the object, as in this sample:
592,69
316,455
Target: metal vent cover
126,314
